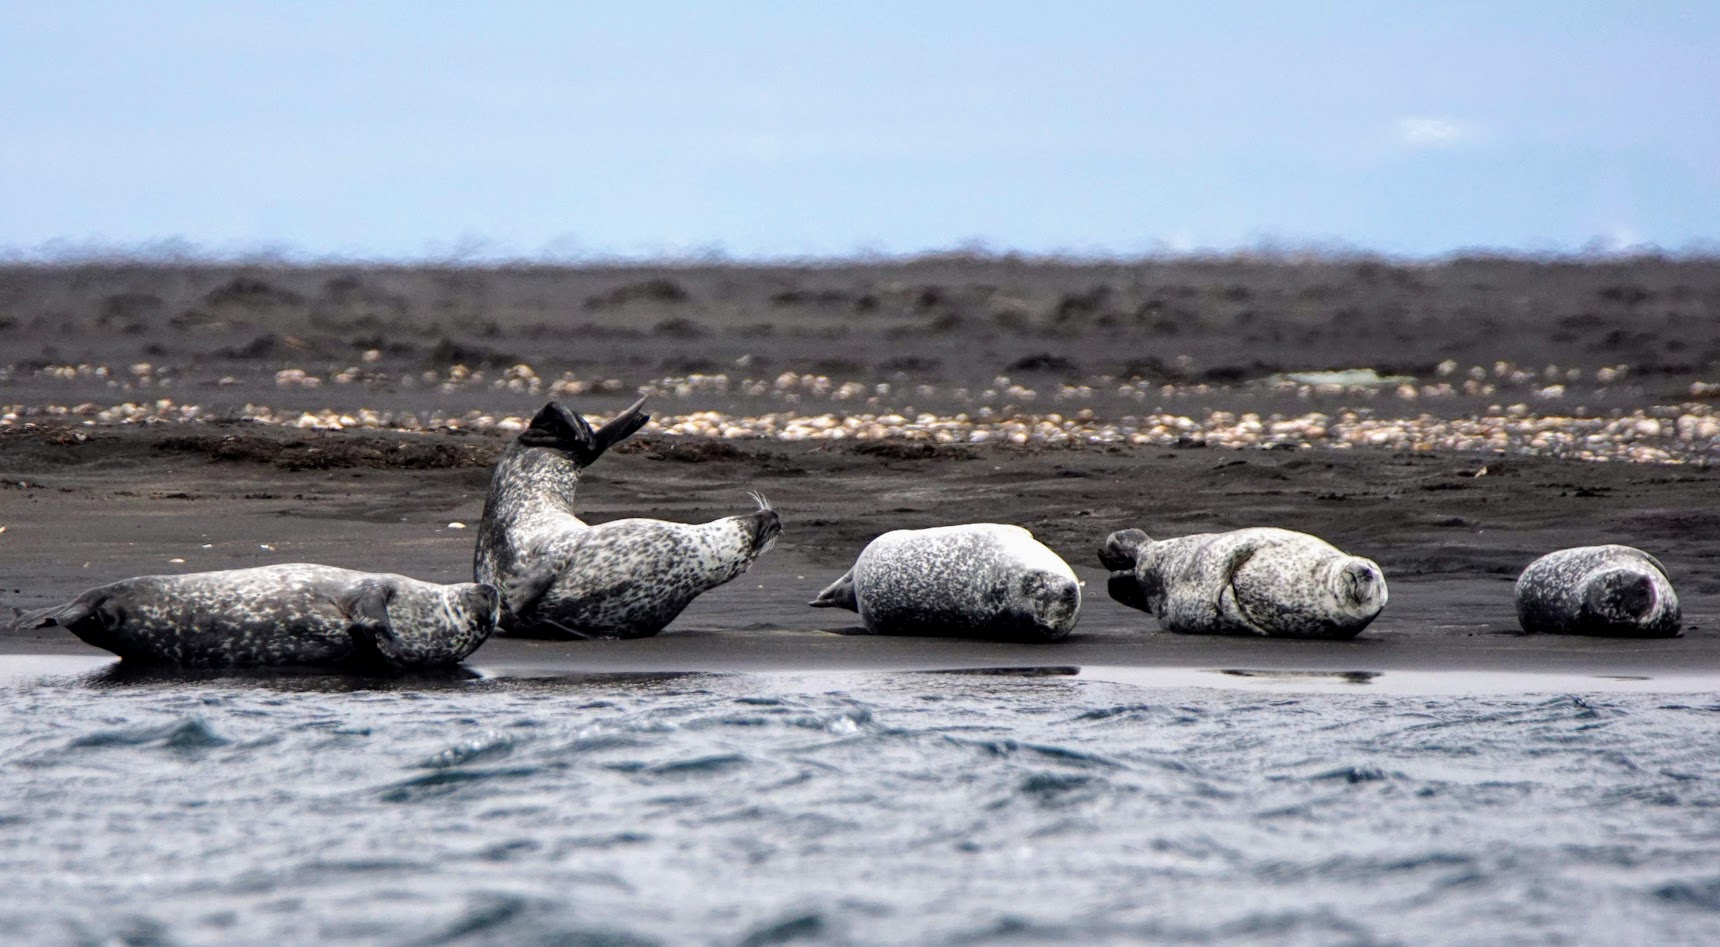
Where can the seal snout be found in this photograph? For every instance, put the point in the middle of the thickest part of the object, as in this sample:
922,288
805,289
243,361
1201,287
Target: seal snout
765,524
1122,548
1361,586
1623,597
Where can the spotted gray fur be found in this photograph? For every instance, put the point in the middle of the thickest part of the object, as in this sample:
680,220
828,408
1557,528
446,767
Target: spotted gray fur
1260,581
983,580
1617,591
281,615
624,579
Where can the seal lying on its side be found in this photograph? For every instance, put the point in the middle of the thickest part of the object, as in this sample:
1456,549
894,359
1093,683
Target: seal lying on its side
623,579
982,580
1598,590
1260,581
279,615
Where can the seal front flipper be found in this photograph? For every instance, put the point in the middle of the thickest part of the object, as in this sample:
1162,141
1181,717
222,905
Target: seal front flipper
838,594
523,591
1229,607
373,637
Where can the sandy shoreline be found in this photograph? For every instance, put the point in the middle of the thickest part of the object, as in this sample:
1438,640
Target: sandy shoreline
130,500
1455,443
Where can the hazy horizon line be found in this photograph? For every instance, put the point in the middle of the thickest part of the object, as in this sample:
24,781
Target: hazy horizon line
477,254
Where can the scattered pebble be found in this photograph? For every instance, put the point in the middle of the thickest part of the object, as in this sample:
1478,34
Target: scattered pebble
456,525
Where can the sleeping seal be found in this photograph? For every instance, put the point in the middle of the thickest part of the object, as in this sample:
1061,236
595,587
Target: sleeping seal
1260,581
1598,590
622,579
291,614
982,580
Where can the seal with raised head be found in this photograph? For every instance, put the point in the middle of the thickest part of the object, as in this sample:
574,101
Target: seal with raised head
1260,581
622,579
294,614
1618,591
980,580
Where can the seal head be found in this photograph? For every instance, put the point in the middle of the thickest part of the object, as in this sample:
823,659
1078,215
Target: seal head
1613,591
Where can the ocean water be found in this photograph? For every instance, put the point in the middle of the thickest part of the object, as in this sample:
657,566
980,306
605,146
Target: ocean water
1012,807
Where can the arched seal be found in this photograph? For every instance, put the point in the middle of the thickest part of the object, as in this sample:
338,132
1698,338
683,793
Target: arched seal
1598,590
279,615
981,580
622,579
1260,581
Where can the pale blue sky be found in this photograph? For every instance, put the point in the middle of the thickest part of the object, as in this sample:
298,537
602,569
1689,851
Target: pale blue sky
400,130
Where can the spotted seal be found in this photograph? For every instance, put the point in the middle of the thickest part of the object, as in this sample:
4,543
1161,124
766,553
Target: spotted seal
1260,581
981,580
281,615
1598,590
623,579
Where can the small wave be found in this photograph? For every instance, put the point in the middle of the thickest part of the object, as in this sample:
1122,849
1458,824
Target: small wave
486,746
699,765
189,735
1053,787
1702,893
445,781
1353,774
1061,754
786,931
513,919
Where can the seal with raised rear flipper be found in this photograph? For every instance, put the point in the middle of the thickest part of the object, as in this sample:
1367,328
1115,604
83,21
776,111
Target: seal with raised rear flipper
1617,591
1260,581
294,614
623,579
980,580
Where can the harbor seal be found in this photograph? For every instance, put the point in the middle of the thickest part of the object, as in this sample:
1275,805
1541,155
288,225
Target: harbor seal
280,615
1260,581
981,580
1598,590
623,579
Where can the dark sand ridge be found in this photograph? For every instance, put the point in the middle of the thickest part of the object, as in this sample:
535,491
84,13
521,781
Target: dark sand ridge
949,321
128,500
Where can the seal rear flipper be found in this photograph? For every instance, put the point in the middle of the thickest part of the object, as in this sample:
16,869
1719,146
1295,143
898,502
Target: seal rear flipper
619,428
61,616
556,426
838,594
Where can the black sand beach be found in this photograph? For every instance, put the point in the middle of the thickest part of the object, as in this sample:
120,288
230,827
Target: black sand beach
86,498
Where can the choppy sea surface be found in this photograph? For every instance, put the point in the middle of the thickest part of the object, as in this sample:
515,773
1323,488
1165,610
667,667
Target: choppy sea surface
864,808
